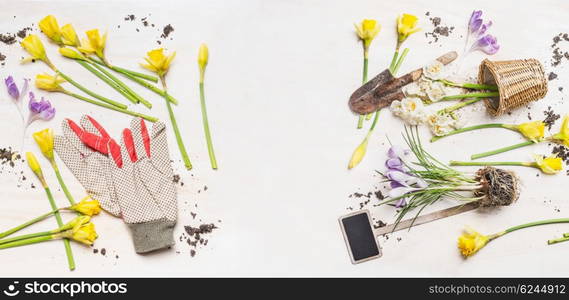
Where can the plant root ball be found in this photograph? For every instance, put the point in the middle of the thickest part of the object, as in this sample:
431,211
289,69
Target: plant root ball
499,187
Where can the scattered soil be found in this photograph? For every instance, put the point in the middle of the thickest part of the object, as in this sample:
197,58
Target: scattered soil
550,117
2,59
103,251
365,199
130,18
7,38
166,31
552,76
439,29
557,54
177,180
193,236
7,156
378,224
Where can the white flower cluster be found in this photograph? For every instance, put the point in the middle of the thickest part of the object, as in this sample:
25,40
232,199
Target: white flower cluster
428,88
441,124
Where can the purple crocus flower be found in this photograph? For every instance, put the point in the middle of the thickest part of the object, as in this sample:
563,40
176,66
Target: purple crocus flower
40,109
397,151
12,87
487,44
394,164
401,203
475,21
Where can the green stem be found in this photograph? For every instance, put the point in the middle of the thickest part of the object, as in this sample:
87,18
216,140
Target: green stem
473,86
124,111
61,183
92,94
143,83
364,80
30,241
68,252
471,95
559,240
210,151
125,71
537,223
488,163
108,81
179,140
26,224
125,87
25,236
458,106
400,61
501,150
471,128
394,60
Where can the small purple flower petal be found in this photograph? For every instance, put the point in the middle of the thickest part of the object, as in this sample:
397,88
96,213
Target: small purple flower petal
487,44
394,164
40,109
47,114
484,28
475,21
12,88
397,151
402,202
395,184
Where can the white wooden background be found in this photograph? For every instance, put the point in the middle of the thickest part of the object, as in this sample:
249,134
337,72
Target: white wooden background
277,84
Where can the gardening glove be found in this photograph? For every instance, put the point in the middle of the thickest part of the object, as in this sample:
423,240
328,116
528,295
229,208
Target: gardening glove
83,150
143,181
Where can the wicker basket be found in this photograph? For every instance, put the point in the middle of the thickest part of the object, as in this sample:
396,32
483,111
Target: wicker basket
519,82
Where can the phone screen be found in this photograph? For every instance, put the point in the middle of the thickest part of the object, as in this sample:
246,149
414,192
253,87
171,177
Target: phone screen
359,235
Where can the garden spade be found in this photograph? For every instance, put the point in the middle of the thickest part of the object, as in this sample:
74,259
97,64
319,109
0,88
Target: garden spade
383,89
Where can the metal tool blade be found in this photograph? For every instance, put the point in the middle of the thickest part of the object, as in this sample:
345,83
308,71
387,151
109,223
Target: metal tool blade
437,215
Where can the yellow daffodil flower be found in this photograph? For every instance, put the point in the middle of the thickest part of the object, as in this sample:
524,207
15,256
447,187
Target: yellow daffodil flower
406,25
95,43
549,165
75,223
471,241
50,28
85,234
203,58
534,131
87,206
367,30
33,45
358,154
563,135
69,36
70,53
158,62
44,139
49,83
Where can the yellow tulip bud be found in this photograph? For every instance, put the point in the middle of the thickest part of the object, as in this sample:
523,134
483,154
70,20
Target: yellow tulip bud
50,28
563,135
471,241
367,30
203,58
33,45
158,62
87,206
549,165
44,139
406,25
358,154
49,83
35,167
534,131
70,53
69,36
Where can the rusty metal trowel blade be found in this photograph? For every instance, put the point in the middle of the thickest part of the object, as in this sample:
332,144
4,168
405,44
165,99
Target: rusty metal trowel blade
384,88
